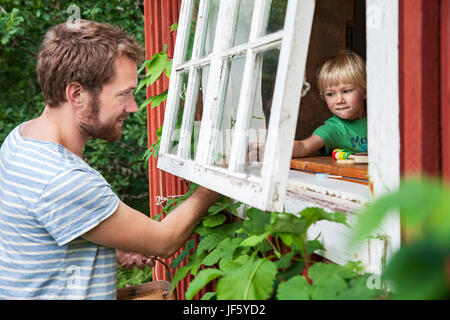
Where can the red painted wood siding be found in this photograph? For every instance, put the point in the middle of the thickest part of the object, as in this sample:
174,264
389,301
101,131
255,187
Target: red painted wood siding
445,88
419,86
159,16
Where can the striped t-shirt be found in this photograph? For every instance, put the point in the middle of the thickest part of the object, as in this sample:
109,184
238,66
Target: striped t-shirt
49,197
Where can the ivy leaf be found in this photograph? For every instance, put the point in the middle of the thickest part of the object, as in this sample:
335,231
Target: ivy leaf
202,279
296,288
247,280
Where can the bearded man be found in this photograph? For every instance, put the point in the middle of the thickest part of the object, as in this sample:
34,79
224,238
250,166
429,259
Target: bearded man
62,228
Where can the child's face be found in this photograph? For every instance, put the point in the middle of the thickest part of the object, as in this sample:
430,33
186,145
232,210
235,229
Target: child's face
345,101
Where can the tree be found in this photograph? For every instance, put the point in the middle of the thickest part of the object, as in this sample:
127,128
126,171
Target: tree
23,23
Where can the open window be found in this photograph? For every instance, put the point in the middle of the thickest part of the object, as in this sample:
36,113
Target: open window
238,75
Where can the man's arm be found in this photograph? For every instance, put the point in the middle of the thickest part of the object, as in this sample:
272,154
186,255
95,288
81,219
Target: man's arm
131,231
303,148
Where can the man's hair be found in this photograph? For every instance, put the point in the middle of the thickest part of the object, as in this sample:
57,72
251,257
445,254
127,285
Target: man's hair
82,52
346,67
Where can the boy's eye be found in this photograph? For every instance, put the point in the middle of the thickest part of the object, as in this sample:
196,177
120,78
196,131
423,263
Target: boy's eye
348,90
329,94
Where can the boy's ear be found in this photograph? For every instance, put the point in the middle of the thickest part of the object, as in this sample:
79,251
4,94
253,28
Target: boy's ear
75,94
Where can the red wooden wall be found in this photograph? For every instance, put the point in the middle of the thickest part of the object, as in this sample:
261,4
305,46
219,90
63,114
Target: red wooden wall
159,16
424,87
424,93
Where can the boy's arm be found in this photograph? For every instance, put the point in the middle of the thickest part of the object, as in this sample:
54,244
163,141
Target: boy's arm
132,231
303,148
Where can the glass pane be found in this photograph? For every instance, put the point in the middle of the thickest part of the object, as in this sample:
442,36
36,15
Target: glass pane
243,22
175,134
201,94
211,24
266,68
191,32
277,15
231,92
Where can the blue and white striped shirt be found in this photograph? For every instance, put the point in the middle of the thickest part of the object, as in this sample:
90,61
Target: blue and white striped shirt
49,197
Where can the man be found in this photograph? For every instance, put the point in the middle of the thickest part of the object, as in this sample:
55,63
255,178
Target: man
59,219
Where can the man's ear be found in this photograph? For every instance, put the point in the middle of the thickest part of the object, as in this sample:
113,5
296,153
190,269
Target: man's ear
75,94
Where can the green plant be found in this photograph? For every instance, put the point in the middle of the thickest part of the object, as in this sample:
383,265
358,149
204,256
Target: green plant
247,260
420,269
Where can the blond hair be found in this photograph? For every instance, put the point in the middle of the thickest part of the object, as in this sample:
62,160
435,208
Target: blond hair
84,52
345,68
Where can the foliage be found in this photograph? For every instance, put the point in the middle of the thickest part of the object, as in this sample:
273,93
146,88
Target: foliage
132,277
23,24
421,268
246,259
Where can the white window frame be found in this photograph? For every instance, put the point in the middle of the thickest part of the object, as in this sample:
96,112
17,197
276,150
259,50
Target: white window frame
279,187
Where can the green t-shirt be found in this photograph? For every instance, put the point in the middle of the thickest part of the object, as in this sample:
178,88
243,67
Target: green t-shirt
350,135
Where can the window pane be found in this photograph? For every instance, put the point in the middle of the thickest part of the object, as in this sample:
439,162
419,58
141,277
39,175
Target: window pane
243,22
211,24
231,92
277,16
175,134
193,23
201,94
266,68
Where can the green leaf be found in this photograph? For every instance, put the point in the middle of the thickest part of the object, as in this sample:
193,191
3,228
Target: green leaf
417,271
202,279
257,221
287,223
254,240
214,220
247,280
224,250
183,255
296,288
174,27
209,242
217,207
143,66
180,274
208,296
328,281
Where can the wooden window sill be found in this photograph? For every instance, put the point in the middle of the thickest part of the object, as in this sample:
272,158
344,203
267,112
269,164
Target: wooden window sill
350,172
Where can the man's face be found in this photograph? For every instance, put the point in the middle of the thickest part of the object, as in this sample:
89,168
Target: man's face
104,114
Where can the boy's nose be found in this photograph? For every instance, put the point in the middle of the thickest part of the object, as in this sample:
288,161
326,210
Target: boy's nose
340,98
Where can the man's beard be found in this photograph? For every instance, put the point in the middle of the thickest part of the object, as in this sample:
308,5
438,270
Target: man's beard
90,124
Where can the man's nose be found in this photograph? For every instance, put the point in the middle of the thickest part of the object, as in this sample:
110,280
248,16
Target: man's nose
132,107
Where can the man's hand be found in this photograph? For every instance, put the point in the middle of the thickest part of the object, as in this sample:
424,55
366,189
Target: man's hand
128,260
